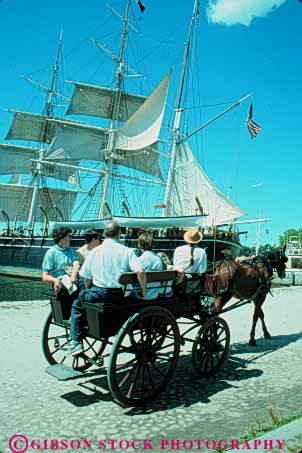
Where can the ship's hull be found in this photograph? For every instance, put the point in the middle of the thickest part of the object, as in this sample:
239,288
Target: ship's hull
29,253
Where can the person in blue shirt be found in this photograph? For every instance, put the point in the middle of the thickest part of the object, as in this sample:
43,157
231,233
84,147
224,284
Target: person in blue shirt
60,259
149,262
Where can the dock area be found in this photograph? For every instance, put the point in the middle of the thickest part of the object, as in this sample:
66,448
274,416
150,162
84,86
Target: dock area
24,273
293,277
21,283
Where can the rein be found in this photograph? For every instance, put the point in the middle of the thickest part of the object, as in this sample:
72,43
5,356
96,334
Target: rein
230,278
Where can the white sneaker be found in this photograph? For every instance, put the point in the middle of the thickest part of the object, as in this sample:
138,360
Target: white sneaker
74,349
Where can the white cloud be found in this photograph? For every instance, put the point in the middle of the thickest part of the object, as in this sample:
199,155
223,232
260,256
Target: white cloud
231,12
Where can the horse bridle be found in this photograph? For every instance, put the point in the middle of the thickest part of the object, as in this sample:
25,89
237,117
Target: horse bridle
274,257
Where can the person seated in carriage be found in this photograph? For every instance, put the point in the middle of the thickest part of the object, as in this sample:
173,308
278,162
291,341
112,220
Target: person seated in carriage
92,240
59,260
192,259
149,262
166,289
101,272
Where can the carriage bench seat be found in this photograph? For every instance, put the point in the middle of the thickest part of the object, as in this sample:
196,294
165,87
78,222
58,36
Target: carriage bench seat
106,320
161,277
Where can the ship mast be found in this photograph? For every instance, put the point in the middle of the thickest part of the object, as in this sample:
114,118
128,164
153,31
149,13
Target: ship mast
48,113
179,108
119,75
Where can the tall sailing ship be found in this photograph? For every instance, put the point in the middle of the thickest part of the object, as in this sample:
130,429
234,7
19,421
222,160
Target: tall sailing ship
145,176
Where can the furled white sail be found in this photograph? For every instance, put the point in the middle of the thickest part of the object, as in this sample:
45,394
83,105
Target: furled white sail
143,128
98,101
16,201
192,191
17,160
138,222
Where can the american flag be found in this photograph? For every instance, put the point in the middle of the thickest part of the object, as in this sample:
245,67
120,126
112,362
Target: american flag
141,6
253,127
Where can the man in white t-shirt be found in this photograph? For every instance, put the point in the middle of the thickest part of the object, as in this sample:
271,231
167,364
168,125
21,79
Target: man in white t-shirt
191,258
101,272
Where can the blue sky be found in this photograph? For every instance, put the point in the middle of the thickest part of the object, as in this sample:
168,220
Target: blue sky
241,47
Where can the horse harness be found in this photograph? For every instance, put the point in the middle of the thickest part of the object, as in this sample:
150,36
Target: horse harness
220,287
230,286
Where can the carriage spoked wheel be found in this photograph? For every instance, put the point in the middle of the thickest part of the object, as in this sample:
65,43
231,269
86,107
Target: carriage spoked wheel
143,356
56,338
211,346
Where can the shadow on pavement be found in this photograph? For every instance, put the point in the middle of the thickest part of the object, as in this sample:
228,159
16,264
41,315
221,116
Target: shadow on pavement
185,388
266,346
195,390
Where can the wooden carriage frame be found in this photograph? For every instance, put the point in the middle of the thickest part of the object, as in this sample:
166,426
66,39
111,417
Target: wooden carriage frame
144,336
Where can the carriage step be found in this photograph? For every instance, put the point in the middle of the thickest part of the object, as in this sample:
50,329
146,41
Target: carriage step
63,372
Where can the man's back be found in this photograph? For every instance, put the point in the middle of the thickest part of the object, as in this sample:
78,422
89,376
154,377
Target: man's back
105,264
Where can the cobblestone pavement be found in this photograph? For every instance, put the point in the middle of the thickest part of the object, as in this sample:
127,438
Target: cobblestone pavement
223,407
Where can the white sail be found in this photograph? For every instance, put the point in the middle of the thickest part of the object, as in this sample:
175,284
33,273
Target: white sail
192,191
40,128
30,127
98,101
16,160
77,142
16,201
89,143
145,160
143,128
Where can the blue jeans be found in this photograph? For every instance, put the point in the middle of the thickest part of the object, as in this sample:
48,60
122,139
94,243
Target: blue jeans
77,315
94,294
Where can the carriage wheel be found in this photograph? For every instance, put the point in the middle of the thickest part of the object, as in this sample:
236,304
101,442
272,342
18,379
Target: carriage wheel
56,337
211,346
144,356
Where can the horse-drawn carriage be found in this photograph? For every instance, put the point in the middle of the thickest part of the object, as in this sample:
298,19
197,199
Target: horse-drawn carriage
145,339
145,336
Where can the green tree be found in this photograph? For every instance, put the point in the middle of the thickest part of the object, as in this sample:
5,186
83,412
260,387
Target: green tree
290,234
246,250
265,248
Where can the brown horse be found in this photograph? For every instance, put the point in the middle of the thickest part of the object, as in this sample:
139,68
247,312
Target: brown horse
249,281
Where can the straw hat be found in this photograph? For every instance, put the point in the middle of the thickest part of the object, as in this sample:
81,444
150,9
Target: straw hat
193,236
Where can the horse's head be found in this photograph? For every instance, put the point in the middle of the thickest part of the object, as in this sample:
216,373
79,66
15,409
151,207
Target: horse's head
277,260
